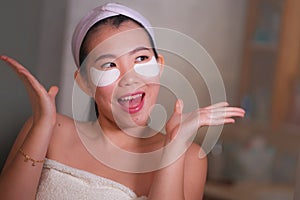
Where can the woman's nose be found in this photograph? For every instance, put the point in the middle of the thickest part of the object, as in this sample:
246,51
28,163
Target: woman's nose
129,78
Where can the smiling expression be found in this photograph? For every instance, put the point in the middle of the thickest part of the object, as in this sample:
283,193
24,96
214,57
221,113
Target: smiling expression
123,59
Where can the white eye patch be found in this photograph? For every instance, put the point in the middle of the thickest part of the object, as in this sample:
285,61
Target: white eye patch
102,78
148,69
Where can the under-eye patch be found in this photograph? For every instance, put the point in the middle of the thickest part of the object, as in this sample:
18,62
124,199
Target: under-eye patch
148,69
102,78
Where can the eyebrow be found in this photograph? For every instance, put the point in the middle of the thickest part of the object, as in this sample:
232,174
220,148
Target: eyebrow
138,49
112,56
105,56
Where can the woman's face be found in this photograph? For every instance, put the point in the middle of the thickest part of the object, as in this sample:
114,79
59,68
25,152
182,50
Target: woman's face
123,74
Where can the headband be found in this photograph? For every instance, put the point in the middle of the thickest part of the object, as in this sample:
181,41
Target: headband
100,13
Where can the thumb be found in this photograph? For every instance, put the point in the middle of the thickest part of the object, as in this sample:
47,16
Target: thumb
178,106
53,92
175,118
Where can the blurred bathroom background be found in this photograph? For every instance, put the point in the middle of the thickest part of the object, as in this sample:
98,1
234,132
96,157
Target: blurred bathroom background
254,43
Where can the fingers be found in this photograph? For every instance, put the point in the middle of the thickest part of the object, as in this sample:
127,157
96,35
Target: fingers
217,105
21,71
41,100
218,121
220,113
223,109
16,66
224,112
27,78
30,81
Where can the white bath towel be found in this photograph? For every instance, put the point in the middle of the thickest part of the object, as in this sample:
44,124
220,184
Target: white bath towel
59,181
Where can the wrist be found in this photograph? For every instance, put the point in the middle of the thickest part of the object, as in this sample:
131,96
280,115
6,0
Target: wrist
43,125
45,120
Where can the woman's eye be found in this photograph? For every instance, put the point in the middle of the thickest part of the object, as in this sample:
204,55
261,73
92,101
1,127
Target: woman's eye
108,65
141,58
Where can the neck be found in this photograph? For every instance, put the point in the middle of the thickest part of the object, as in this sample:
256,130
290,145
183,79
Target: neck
128,138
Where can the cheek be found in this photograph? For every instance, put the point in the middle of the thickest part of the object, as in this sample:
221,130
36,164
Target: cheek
104,93
103,99
154,92
104,78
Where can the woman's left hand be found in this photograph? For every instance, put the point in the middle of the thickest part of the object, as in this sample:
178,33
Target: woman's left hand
185,125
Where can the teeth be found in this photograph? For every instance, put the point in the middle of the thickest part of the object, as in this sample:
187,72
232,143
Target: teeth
129,98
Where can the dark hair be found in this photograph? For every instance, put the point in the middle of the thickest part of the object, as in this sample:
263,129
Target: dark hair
114,21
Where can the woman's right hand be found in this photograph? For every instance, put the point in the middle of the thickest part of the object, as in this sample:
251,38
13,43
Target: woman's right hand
42,101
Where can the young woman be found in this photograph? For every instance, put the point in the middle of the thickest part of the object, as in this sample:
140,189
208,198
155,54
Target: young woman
119,67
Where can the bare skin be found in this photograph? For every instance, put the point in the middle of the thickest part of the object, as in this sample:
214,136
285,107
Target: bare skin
51,135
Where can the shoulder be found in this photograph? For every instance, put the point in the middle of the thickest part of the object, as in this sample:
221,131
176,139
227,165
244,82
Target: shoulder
60,119
64,125
195,171
63,120
63,136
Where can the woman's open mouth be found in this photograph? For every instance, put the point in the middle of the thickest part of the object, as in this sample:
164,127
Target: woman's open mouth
132,103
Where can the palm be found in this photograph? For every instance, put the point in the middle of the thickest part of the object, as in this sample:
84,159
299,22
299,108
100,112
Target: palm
43,102
185,125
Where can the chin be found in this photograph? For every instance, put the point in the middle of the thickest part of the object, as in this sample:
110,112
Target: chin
132,121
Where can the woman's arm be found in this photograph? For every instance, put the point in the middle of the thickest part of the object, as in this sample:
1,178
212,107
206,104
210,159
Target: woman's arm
168,182
195,171
20,176
185,178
